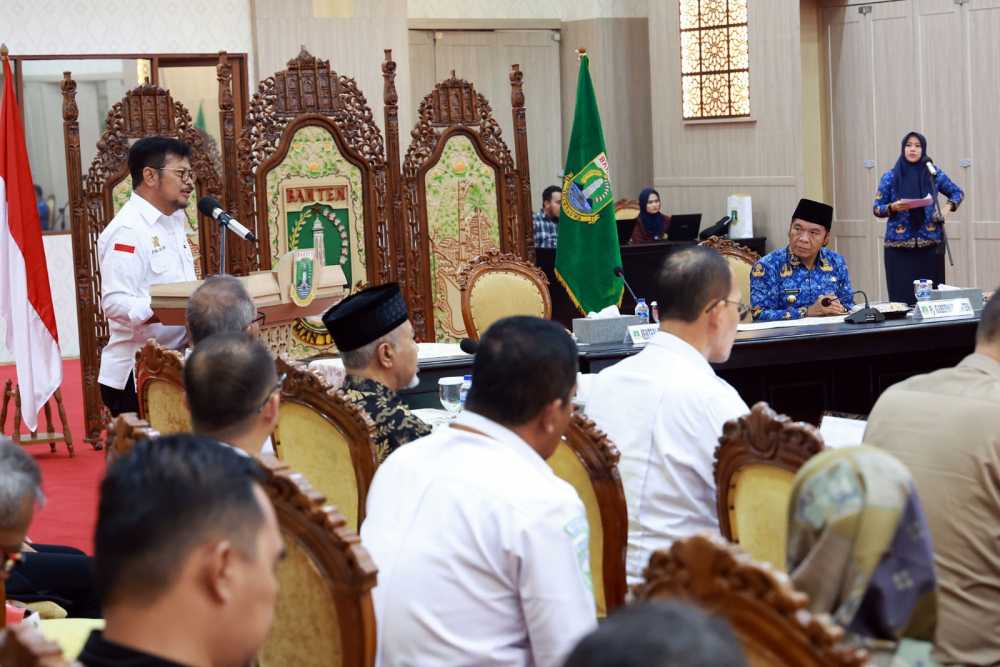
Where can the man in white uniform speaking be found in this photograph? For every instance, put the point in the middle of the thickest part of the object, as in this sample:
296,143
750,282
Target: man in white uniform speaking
481,549
145,244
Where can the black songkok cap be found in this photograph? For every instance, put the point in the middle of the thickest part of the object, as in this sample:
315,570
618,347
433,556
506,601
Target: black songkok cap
814,212
366,316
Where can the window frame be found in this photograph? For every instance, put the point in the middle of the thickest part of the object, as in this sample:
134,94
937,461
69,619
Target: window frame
701,74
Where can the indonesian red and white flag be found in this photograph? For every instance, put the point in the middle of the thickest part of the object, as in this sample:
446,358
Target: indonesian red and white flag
25,296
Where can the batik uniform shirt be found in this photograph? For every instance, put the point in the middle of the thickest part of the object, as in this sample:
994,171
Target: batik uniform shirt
546,230
915,228
782,288
395,425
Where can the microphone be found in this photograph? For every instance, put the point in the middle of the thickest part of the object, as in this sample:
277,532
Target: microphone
866,315
931,168
621,274
468,345
211,207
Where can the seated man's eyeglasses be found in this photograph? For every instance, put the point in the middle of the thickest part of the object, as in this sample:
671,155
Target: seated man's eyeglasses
277,387
183,174
740,306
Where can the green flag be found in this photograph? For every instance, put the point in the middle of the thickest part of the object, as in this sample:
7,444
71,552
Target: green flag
199,120
587,251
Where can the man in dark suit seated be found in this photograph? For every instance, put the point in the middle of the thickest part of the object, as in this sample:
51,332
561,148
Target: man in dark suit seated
37,572
186,550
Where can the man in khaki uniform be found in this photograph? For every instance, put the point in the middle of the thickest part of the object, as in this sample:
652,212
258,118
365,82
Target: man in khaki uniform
945,427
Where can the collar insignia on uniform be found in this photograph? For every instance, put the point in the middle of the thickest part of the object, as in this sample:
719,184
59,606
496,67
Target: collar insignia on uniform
785,271
758,270
825,265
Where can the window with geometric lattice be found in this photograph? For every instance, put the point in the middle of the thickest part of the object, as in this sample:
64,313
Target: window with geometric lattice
715,59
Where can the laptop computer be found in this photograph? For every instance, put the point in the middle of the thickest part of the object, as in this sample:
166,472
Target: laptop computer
684,227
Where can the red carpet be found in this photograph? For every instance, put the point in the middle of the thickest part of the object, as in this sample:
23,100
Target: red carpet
71,484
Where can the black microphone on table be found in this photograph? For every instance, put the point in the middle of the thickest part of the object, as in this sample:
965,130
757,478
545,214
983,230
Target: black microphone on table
211,207
620,272
468,345
866,315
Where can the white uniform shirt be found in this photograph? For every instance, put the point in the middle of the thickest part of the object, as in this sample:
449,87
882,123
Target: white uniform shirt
481,551
664,408
139,247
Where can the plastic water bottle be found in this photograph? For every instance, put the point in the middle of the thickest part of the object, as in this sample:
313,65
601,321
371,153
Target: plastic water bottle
642,310
466,383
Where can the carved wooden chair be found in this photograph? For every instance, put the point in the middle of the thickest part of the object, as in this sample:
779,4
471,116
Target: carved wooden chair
128,429
755,465
740,259
313,174
769,617
588,460
144,111
627,209
324,436
159,381
463,196
23,645
324,614
498,285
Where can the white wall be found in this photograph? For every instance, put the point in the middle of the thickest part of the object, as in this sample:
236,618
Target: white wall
59,257
567,10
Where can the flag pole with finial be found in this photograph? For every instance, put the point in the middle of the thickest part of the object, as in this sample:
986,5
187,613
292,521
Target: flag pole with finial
580,53
3,51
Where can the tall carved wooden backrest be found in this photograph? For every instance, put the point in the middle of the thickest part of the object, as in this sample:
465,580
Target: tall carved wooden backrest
94,200
740,259
769,617
463,195
588,460
498,285
324,614
312,171
327,438
755,465
159,381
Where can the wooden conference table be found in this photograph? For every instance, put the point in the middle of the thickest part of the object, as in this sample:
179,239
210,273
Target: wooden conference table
800,371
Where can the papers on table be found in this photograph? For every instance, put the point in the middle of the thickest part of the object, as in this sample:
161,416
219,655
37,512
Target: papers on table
780,324
842,432
434,417
438,350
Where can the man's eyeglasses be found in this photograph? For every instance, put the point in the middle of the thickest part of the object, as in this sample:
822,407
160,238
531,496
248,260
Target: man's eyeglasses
741,307
277,387
183,174
259,321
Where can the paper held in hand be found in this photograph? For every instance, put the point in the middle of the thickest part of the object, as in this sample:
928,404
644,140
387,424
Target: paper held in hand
907,204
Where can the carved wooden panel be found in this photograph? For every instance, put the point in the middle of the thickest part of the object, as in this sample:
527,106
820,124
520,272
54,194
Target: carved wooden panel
769,617
309,94
144,111
455,110
731,249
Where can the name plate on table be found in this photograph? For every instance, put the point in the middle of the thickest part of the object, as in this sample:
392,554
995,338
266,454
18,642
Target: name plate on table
639,334
943,308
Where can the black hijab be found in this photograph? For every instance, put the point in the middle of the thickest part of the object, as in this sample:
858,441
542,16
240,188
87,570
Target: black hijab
653,224
913,181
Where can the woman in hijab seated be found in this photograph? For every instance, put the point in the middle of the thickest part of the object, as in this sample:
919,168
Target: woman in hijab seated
859,547
651,224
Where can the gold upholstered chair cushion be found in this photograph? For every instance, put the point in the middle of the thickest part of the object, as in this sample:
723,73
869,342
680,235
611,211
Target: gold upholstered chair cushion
159,382
740,259
324,614
755,465
587,460
497,285
324,436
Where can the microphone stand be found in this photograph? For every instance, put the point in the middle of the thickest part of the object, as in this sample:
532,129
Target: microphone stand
222,247
940,216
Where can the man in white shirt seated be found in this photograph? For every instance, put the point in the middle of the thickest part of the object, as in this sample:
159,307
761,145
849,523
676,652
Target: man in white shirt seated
233,391
665,407
221,304
481,549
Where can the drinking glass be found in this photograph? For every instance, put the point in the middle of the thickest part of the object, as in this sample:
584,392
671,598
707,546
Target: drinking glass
450,393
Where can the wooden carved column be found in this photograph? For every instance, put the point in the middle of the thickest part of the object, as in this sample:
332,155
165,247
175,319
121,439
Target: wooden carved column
85,296
242,258
521,157
393,167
